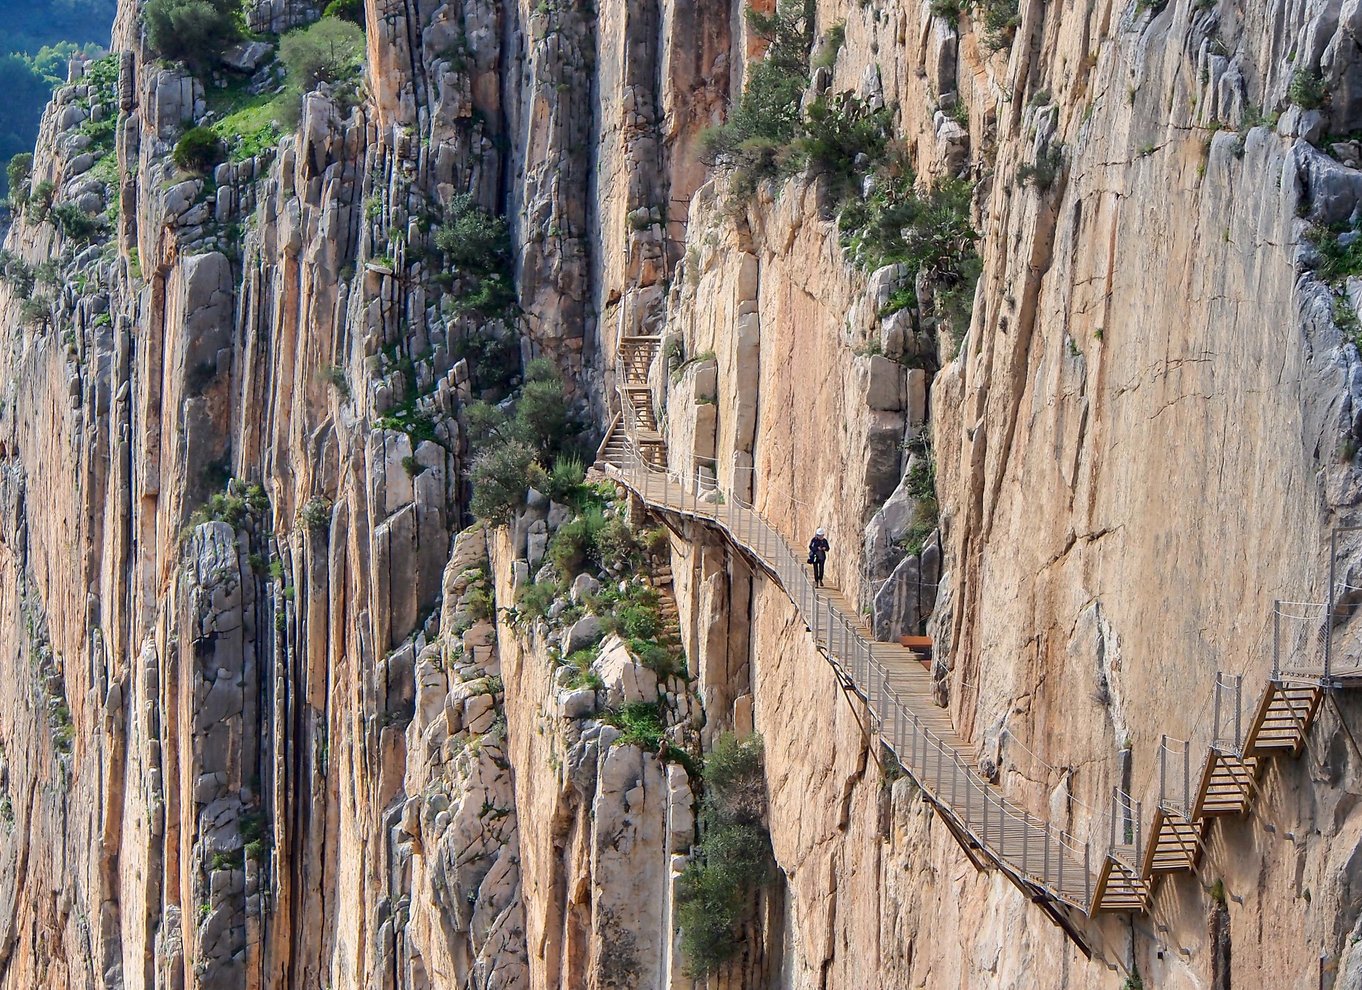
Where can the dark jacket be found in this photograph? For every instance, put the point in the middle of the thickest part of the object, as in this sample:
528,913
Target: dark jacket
818,548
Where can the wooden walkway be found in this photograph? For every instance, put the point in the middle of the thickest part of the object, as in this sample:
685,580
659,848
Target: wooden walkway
1118,865
1046,861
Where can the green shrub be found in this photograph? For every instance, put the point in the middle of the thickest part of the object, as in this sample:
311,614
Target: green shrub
35,311
583,675
931,234
662,660
228,860
339,380
501,476
637,622
18,273
346,10
19,172
493,297
316,514
192,31
533,601
330,51
471,238
563,481
1307,89
478,245
832,47
1000,19
542,413
922,479
1044,170
74,223
40,199
198,150
640,724
757,139
732,859
255,833
574,545
481,606
837,131
616,545
1339,257
510,451
234,506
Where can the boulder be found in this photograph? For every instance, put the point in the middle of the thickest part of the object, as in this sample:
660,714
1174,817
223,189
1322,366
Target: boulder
536,541
246,56
905,601
884,383
576,704
626,680
583,587
585,632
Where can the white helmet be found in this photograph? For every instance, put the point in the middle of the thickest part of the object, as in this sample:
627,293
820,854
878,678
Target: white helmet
820,532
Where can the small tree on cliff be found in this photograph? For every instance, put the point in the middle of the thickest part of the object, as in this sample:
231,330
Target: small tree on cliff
733,857
759,136
18,173
516,451
191,31
330,51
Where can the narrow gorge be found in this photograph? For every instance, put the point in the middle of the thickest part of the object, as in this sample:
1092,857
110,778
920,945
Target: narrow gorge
414,415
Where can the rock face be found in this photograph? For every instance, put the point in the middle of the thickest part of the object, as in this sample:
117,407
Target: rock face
273,713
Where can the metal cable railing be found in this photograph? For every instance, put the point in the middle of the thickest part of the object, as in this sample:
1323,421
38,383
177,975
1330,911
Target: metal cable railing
897,696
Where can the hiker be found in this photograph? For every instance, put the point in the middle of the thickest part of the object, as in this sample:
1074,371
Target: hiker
818,555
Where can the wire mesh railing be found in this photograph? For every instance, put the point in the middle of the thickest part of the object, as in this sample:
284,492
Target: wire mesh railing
897,695
1125,823
1300,640
1227,720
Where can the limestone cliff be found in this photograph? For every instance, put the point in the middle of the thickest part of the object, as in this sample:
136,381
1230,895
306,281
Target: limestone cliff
278,712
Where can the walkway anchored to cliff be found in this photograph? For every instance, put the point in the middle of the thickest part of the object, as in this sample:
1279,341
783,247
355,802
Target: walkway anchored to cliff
1116,866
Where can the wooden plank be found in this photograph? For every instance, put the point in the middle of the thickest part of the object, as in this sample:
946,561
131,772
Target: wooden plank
914,691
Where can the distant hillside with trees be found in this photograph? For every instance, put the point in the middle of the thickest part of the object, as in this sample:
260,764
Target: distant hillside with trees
37,42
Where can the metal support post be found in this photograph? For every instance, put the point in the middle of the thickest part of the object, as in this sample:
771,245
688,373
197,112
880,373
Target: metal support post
1002,823
1329,614
1060,882
1215,719
1187,778
1276,638
1238,708
1163,768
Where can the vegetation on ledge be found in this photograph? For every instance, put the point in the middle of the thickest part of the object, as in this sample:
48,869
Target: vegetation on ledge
733,859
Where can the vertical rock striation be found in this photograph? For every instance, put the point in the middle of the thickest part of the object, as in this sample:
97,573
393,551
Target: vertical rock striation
274,715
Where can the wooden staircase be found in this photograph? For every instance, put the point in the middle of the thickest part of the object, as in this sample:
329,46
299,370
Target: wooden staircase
1226,784
1136,858
1283,718
638,420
